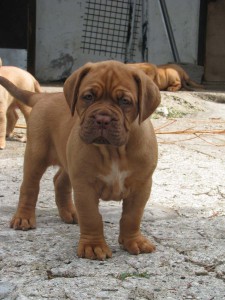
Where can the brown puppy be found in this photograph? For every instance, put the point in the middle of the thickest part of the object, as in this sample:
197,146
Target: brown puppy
8,103
172,77
99,133
169,77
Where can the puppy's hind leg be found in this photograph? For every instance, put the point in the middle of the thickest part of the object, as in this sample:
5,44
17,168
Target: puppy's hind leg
63,197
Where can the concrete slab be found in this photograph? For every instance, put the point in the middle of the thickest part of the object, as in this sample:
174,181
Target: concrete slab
185,218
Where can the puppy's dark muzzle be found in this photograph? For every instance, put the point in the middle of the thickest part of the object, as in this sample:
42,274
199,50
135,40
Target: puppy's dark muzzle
102,122
103,127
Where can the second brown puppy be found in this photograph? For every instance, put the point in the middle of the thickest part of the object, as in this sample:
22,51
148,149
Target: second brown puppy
168,77
99,133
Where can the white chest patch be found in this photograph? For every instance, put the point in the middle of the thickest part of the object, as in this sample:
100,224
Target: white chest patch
115,178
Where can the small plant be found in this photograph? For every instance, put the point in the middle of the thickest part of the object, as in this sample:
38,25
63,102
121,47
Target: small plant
176,113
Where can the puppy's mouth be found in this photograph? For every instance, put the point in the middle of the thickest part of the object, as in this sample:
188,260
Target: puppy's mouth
103,128
101,140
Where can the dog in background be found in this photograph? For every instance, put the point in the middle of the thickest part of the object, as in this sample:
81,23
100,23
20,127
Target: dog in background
169,77
99,133
9,104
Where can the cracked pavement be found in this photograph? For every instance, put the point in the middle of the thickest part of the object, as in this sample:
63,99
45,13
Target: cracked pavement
185,218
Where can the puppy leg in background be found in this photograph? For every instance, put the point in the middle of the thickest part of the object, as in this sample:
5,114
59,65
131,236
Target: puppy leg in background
176,86
26,110
130,236
174,81
3,122
63,197
12,118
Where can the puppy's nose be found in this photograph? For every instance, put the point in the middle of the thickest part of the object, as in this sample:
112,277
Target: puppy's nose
103,120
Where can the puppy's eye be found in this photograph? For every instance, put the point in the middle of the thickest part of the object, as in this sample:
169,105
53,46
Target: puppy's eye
124,102
88,98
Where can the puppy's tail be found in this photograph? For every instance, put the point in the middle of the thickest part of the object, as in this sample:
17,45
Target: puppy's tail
26,97
189,84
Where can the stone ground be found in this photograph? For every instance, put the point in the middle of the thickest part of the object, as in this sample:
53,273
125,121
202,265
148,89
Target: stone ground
185,218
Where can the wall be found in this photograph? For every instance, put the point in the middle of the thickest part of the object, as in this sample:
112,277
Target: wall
59,34
184,18
62,25
57,39
14,57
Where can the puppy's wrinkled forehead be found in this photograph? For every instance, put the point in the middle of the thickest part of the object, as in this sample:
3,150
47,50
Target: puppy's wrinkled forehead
110,78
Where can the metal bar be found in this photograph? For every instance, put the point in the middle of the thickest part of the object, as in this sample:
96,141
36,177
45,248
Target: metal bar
144,50
131,31
169,31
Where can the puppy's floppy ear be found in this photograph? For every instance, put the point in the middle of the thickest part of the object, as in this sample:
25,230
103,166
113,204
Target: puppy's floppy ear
148,95
72,85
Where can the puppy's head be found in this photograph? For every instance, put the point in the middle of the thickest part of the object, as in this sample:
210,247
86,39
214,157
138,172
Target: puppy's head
108,97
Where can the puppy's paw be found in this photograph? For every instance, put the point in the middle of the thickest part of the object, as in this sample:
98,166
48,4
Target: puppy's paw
174,88
68,216
22,139
23,223
137,245
93,249
2,144
9,135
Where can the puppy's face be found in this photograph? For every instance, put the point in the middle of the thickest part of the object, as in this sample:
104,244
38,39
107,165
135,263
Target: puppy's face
107,105
108,97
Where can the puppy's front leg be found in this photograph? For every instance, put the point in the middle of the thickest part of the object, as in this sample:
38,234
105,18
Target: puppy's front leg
92,244
34,168
130,235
